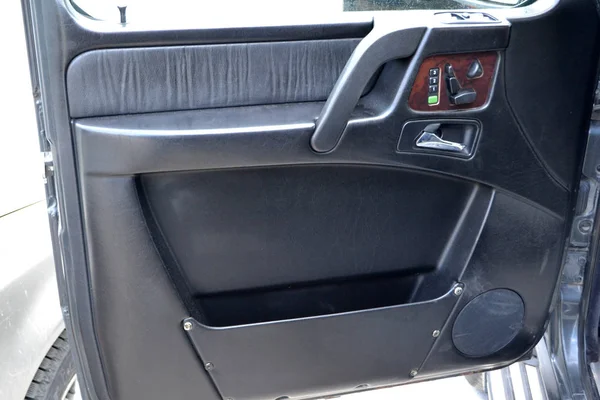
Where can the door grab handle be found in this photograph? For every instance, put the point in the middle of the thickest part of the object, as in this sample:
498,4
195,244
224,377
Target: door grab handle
392,37
430,140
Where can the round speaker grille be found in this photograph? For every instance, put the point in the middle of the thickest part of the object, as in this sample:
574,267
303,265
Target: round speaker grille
488,323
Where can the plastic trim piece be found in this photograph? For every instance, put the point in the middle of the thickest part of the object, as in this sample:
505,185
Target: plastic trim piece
238,358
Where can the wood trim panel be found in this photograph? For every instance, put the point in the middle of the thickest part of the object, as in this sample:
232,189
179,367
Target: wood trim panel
482,85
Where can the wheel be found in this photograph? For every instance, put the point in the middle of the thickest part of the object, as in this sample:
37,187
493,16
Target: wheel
55,379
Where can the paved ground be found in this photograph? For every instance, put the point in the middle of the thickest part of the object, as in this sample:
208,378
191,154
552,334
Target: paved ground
448,389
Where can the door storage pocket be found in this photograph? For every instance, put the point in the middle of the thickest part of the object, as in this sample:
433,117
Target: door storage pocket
333,353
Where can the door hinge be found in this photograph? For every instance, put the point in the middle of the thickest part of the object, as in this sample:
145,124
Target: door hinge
48,162
45,147
48,177
47,157
39,115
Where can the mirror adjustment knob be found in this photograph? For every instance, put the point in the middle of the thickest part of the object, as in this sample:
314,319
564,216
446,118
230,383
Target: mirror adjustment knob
475,70
464,96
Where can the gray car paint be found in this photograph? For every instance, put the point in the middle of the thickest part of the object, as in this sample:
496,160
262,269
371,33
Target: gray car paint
30,317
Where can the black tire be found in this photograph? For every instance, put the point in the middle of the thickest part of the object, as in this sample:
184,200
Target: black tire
55,376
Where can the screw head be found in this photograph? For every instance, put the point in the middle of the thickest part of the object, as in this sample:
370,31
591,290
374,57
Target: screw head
187,326
209,366
436,333
413,373
458,291
585,226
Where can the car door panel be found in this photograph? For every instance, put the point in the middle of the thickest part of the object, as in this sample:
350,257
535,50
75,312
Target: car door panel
246,213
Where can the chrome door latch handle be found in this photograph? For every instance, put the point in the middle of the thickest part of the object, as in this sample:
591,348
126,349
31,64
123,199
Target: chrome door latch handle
430,140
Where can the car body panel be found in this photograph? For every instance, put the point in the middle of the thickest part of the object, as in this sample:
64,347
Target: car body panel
30,316
20,161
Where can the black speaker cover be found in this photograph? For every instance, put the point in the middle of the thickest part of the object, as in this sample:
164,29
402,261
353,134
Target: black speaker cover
488,323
